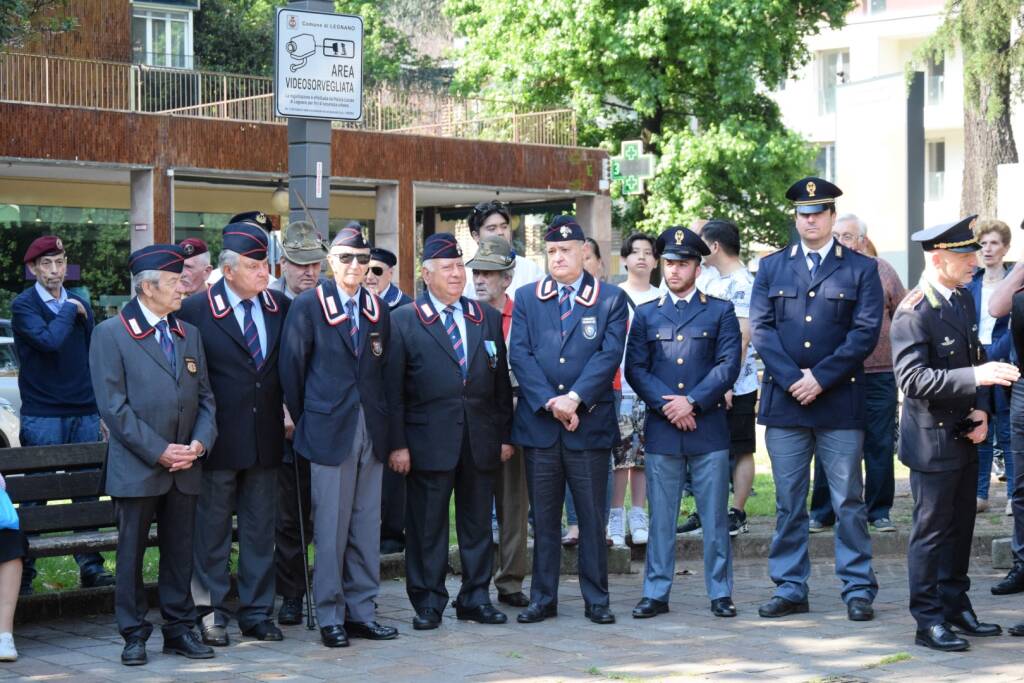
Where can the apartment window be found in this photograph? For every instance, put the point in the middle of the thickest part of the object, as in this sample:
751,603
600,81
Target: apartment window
936,82
935,162
162,37
833,69
875,6
826,162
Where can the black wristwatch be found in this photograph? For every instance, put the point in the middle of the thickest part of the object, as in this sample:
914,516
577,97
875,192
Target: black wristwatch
696,406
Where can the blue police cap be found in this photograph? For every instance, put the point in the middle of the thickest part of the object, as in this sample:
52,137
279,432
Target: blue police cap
384,256
563,229
441,245
246,239
351,236
958,236
678,243
812,195
166,257
257,218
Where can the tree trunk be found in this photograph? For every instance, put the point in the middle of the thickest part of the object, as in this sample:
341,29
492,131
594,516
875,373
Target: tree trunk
987,143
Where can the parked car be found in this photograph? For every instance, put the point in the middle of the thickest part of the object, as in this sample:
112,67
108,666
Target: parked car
9,374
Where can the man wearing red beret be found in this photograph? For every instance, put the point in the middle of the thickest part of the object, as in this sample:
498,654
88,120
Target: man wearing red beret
197,265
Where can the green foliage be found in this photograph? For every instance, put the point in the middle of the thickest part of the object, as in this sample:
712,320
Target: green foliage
23,20
668,71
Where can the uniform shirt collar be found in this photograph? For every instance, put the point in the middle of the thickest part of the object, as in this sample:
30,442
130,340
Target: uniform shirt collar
823,252
943,290
344,297
47,297
439,307
687,298
575,285
151,318
234,299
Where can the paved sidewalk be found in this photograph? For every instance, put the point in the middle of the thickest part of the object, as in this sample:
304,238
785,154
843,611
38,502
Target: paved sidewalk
687,644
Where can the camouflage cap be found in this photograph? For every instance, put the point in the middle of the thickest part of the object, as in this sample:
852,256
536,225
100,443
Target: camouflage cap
493,253
303,244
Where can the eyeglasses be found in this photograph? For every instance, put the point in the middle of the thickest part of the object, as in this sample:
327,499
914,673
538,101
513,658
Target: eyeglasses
361,259
377,270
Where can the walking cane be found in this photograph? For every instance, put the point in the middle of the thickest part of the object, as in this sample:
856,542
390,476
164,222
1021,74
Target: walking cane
302,539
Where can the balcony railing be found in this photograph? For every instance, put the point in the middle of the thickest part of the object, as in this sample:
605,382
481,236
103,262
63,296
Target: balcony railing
118,86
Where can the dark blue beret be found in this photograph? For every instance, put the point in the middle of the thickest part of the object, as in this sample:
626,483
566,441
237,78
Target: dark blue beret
441,245
812,195
958,236
351,236
167,257
257,218
246,239
384,256
564,228
677,243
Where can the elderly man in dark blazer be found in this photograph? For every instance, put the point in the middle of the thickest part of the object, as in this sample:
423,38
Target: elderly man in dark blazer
150,378
568,335
333,356
240,322
451,428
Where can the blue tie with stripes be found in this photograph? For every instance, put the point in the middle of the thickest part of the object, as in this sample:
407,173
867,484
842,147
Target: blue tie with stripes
453,334
815,261
353,330
167,344
565,308
252,335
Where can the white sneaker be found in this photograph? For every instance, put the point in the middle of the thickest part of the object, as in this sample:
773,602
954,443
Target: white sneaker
1009,508
8,653
616,527
638,525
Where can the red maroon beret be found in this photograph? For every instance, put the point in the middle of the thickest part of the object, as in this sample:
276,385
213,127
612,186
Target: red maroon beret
193,246
47,245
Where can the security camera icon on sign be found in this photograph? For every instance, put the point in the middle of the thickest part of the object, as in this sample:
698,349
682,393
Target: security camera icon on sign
300,48
342,49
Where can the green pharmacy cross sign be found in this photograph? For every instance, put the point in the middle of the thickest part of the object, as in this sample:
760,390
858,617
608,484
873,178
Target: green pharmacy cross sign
632,167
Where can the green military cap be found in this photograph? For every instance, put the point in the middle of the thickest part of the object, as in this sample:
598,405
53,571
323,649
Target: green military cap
303,244
493,253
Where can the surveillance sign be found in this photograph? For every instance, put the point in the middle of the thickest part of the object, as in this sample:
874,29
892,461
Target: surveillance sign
318,65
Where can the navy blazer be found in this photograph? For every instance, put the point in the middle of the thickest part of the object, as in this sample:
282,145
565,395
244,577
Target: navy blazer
695,353
934,351
585,361
250,413
828,325
434,406
394,297
1000,347
325,382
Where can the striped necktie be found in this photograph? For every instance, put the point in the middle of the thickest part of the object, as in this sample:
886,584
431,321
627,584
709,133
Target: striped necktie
353,329
167,344
565,308
453,334
815,262
252,335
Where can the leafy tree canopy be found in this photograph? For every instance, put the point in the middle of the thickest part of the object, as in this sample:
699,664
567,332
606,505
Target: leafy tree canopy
22,20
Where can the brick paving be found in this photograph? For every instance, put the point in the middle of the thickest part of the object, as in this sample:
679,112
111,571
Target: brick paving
688,644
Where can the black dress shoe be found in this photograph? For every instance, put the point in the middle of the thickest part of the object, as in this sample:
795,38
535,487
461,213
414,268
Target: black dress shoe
859,609
517,599
426,619
187,645
939,637
290,613
534,613
333,636
215,635
264,630
481,614
390,546
97,579
134,652
1016,629
1013,583
649,607
781,607
967,622
723,607
370,630
599,614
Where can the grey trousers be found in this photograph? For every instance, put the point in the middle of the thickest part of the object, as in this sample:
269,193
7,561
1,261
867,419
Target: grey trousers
513,505
253,492
346,534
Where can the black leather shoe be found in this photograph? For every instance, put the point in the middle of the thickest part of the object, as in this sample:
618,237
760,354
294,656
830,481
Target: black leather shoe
215,635
390,546
481,614
649,607
1013,583
426,619
134,652
333,636
781,607
599,614
1016,629
97,579
859,609
534,613
370,630
290,613
187,645
723,607
517,599
939,637
967,622
265,630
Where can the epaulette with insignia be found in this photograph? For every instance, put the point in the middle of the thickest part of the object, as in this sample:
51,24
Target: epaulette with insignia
912,298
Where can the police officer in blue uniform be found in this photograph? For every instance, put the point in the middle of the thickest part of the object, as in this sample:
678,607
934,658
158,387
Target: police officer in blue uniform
567,339
940,367
682,356
815,315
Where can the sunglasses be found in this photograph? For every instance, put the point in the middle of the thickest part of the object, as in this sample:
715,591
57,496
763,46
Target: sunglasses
376,270
361,259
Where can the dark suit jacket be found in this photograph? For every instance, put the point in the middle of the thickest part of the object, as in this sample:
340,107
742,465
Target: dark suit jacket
394,297
147,406
828,325
696,355
433,404
324,381
934,352
250,413
547,365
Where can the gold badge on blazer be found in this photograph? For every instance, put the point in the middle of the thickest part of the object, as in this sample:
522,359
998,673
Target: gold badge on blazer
191,365
376,344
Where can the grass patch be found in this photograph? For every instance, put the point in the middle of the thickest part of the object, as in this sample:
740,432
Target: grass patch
513,655
891,659
610,675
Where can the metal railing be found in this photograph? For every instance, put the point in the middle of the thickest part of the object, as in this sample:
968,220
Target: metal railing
118,86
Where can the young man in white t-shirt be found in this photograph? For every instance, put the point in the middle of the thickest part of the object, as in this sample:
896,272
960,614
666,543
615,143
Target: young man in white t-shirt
493,219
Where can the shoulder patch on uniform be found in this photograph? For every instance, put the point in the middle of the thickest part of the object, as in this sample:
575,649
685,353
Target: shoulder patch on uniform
913,298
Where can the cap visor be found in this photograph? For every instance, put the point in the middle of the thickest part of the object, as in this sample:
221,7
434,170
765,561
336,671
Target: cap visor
812,208
966,249
304,258
485,265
